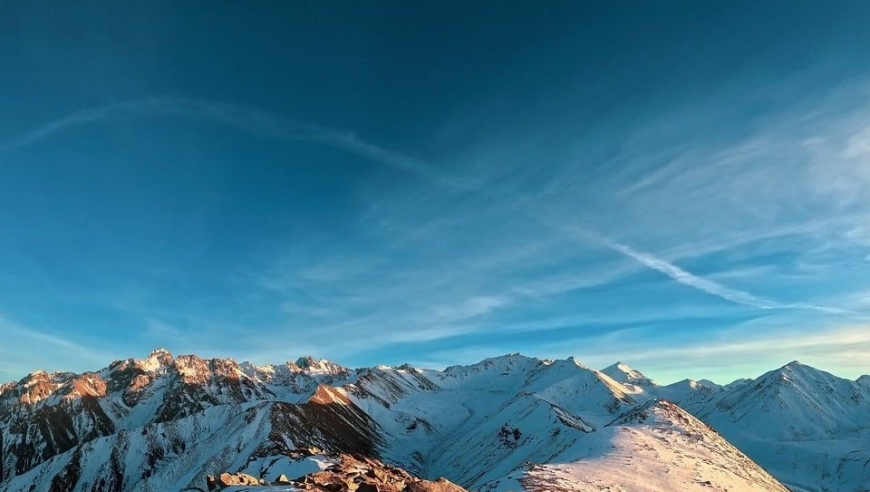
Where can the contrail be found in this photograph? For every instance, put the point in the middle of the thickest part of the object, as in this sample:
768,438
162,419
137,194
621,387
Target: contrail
264,124
248,119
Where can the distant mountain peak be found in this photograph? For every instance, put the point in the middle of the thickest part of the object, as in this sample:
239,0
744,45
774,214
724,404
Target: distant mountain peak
37,374
513,356
694,384
796,369
575,361
160,351
306,361
159,357
310,365
625,374
501,362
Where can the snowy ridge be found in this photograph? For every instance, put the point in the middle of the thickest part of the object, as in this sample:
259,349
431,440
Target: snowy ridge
799,403
655,447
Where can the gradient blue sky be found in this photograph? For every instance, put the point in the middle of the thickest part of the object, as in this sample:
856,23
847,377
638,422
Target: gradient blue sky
684,186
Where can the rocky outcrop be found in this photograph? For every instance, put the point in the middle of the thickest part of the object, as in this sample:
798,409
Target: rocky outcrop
350,473
225,480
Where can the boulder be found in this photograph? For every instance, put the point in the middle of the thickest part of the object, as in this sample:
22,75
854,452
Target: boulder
230,479
440,485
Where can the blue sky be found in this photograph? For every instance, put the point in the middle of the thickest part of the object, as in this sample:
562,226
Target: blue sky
684,186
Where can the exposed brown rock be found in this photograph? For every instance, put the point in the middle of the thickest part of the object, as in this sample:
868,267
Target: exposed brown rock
377,474
352,473
440,485
351,485
230,479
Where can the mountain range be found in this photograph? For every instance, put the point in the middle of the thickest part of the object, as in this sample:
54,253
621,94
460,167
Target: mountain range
508,423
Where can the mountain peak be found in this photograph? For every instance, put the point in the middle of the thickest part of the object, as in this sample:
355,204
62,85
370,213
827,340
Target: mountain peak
159,357
160,352
575,361
508,357
625,374
618,366
693,384
309,365
306,361
797,369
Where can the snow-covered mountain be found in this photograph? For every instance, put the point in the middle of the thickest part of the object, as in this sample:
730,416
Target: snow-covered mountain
506,423
809,427
63,415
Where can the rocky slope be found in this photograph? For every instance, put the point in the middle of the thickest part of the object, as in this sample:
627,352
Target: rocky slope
341,473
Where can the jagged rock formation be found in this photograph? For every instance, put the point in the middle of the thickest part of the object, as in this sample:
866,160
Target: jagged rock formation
162,407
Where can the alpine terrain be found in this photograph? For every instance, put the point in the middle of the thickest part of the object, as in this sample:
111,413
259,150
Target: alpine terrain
166,423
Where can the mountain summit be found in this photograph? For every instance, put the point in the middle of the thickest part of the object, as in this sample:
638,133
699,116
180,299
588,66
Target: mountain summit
622,373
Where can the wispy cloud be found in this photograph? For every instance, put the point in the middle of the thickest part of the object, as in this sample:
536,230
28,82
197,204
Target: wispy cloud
265,124
704,202
19,343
